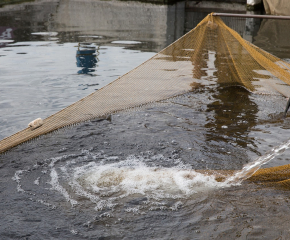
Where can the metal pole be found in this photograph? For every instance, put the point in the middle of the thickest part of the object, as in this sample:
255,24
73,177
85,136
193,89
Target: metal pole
251,16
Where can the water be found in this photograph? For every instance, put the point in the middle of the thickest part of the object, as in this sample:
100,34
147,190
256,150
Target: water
140,174
249,169
36,83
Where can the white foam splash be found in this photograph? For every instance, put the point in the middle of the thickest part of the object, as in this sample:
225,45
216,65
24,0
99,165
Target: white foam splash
135,184
135,177
56,186
107,182
36,181
17,177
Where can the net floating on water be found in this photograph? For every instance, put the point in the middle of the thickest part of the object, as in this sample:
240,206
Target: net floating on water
210,53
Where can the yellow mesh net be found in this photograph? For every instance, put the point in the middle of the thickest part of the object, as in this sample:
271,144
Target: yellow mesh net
211,53
277,177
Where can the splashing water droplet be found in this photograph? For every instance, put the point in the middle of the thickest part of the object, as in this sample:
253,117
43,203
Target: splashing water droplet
249,169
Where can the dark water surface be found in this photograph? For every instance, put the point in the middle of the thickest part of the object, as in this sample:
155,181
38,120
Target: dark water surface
132,175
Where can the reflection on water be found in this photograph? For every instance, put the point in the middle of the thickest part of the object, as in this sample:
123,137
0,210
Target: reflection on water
132,176
234,114
87,60
273,36
6,36
135,175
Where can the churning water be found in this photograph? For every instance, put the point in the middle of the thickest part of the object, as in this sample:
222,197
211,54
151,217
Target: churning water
106,182
108,185
140,174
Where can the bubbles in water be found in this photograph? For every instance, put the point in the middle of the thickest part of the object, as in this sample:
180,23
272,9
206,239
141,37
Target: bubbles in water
106,183
134,185
133,176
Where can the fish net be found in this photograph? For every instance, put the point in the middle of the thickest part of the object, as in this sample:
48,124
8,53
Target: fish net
277,177
211,53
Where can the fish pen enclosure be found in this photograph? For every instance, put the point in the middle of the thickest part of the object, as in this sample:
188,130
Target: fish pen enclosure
176,143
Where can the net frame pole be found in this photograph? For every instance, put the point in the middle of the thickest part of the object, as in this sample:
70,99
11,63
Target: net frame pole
251,16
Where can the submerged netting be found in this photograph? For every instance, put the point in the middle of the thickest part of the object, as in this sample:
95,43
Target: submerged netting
273,177
209,54
277,177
